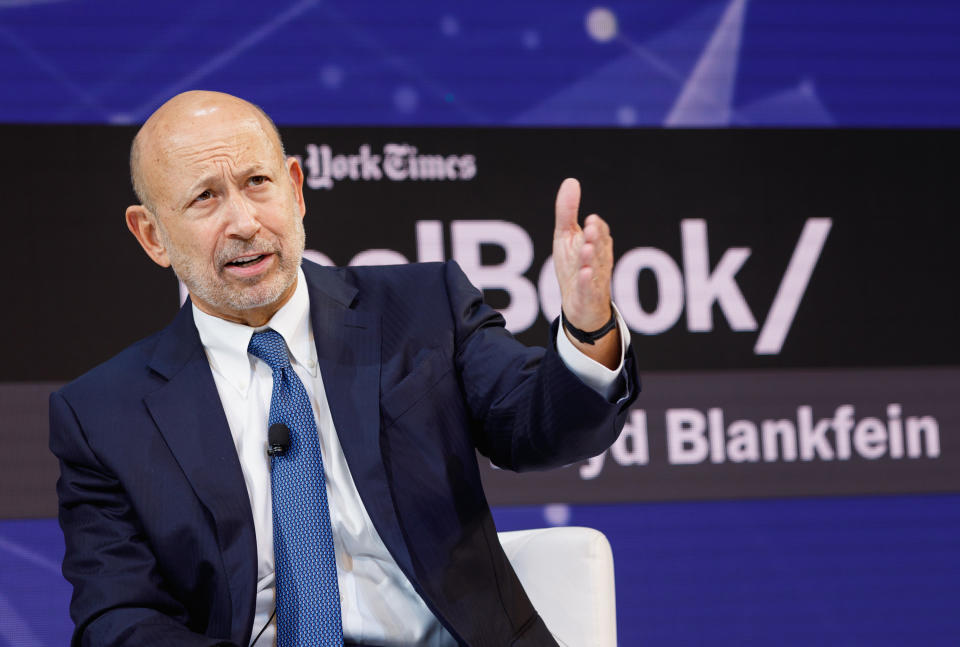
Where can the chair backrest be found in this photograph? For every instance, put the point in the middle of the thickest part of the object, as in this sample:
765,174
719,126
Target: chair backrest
568,574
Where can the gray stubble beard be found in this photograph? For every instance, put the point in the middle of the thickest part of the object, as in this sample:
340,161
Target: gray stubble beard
218,294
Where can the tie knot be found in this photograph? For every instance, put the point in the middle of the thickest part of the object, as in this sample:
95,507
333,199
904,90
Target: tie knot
269,346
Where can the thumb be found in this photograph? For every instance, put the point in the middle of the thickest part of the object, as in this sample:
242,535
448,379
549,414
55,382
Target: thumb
568,205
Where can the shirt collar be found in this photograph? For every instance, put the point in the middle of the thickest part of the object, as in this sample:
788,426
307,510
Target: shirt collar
225,342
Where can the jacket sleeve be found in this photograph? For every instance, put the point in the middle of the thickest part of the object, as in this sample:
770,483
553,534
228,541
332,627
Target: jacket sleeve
118,593
532,412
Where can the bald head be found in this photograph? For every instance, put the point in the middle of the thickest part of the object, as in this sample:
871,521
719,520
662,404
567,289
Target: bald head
184,116
221,204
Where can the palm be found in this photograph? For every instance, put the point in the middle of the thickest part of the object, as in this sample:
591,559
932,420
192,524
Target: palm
583,258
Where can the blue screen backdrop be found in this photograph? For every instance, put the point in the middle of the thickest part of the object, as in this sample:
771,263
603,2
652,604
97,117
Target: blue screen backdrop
496,63
837,571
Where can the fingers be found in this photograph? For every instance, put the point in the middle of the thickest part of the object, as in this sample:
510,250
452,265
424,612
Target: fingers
586,280
567,206
587,253
597,247
595,227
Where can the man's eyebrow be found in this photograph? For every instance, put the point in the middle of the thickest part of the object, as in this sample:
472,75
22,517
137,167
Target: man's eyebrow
212,178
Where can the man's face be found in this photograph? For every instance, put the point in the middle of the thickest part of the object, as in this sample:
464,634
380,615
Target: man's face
229,213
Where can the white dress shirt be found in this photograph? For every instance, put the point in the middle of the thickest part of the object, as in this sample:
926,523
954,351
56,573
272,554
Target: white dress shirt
378,604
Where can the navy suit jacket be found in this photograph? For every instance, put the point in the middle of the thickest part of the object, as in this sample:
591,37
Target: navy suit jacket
419,374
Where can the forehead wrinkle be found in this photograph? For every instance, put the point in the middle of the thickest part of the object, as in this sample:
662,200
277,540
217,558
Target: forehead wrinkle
208,156
191,148
232,170
204,163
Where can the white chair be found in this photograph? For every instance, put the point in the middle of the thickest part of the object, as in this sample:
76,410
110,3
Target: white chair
568,574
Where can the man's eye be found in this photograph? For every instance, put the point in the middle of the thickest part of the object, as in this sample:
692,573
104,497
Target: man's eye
257,180
206,195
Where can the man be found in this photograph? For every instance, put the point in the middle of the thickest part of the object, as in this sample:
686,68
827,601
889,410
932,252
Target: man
399,373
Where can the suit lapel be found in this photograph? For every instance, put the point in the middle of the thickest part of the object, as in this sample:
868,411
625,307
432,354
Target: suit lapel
348,352
189,414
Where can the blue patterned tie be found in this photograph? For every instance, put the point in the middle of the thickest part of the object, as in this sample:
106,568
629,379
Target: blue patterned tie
308,599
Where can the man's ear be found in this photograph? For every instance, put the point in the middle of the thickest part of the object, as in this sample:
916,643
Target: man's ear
296,178
143,225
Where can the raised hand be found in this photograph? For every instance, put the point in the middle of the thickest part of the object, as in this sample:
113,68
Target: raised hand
583,258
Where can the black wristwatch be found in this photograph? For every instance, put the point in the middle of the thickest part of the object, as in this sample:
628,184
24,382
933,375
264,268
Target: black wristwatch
589,337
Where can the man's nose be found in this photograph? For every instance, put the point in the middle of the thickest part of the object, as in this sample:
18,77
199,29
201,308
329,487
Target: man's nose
241,216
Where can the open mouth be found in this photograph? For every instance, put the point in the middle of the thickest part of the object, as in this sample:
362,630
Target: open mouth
245,261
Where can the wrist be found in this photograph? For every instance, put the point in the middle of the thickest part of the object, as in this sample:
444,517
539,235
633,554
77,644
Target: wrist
589,336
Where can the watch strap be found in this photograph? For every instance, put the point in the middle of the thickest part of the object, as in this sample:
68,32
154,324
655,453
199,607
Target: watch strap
589,337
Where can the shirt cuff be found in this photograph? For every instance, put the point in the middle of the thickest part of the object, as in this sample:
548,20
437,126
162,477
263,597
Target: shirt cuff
598,377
